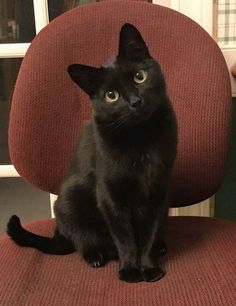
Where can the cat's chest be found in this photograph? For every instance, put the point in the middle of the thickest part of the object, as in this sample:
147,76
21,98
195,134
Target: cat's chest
149,166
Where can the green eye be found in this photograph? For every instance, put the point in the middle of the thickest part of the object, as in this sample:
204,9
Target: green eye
140,76
112,96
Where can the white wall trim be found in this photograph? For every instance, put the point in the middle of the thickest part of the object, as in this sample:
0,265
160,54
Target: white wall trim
8,171
41,14
13,50
53,198
200,11
207,16
175,5
173,212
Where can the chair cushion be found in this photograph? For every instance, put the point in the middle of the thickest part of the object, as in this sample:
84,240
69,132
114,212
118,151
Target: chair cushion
200,268
48,109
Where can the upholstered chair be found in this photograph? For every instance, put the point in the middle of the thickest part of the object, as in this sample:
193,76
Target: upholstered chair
49,111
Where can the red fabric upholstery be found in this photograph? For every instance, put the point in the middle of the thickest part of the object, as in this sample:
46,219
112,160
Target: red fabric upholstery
200,268
48,110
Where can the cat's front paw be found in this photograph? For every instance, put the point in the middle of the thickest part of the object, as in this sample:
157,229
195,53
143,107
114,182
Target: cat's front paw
130,275
152,274
95,258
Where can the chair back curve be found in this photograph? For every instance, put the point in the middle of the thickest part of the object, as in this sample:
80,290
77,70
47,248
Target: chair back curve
48,110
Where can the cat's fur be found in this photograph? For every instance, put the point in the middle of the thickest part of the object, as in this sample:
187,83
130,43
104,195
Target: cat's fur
114,201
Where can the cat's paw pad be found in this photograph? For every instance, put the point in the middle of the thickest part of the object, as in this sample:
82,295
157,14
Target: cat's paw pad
95,259
161,248
152,274
131,275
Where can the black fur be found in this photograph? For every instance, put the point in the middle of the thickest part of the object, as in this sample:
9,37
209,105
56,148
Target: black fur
113,203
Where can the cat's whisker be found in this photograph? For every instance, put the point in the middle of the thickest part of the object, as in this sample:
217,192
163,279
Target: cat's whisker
116,124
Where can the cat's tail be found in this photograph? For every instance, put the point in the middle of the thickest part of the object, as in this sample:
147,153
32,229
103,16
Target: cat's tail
57,245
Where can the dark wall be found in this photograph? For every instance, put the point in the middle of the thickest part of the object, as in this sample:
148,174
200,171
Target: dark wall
225,199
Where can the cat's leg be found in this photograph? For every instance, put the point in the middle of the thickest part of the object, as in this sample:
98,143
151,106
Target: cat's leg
99,252
79,219
119,223
149,226
160,246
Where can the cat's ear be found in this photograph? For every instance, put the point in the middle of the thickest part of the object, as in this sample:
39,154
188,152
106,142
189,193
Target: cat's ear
131,44
86,77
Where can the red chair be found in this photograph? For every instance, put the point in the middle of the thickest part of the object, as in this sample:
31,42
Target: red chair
47,114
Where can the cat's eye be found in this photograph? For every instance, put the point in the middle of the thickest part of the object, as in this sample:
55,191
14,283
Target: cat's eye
140,76
112,96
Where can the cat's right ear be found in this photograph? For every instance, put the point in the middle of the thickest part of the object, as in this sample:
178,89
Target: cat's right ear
86,77
131,44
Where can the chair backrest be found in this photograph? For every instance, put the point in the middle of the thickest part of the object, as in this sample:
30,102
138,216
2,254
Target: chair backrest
48,110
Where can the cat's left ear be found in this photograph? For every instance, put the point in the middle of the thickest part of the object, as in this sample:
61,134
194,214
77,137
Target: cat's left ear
131,44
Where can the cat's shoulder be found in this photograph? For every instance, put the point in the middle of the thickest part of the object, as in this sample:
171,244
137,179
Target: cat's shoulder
86,141
87,132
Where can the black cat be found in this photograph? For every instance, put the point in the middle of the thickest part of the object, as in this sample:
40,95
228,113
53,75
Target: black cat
113,203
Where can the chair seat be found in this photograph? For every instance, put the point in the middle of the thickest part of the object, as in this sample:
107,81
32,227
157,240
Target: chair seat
200,270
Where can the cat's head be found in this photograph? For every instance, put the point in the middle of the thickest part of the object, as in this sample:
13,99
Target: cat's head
128,89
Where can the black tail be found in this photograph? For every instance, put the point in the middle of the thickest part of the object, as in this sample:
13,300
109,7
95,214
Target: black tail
56,245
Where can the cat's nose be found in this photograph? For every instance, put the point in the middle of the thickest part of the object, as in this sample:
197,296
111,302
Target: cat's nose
135,102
